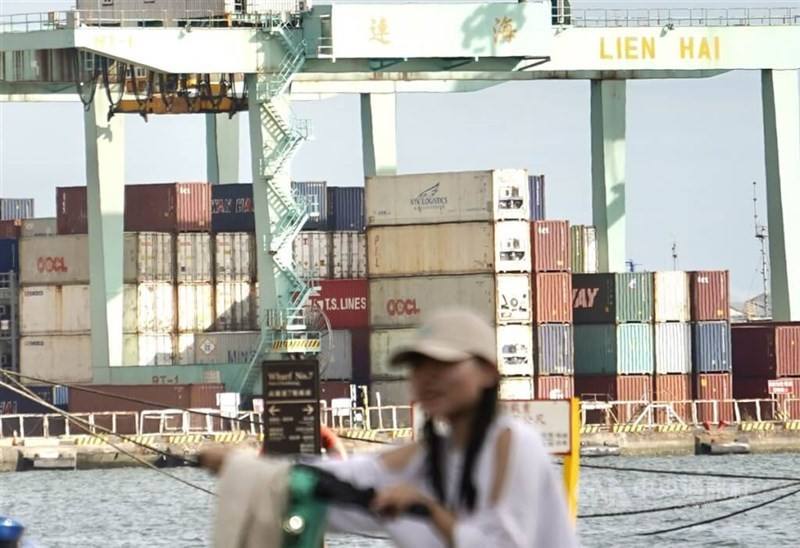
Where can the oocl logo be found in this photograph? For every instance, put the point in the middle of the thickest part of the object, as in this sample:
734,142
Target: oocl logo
402,307
51,264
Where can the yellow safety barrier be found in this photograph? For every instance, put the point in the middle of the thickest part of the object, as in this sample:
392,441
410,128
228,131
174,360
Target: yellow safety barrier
673,428
791,425
230,437
628,428
590,429
296,345
90,440
756,426
187,438
402,433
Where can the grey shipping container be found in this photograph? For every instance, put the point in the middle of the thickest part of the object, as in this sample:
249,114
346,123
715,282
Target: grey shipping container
315,194
536,184
711,347
555,352
340,363
346,209
16,208
625,349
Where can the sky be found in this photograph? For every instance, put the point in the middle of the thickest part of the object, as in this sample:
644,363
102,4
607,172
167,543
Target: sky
694,149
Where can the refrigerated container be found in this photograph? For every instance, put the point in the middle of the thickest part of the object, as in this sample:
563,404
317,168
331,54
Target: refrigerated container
672,302
516,388
514,350
193,257
401,302
195,307
454,197
236,306
451,248
56,358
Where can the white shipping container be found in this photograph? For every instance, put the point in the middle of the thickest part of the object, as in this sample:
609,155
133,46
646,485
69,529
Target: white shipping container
397,392
44,226
236,306
348,255
56,309
591,259
156,309
235,259
515,350
130,350
672,297
184,349
312,251
452,248
673,348
156,349
195,307
402,302
516,388
57,358
382,342
154,257
340,362
454,197
193,261
219,347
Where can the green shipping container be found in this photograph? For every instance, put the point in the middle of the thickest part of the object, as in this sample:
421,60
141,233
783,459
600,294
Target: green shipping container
634,297
626,349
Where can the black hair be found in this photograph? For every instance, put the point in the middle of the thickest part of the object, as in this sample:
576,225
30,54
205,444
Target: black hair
484,415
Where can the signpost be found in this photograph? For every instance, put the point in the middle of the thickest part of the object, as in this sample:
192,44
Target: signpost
291,407
780,386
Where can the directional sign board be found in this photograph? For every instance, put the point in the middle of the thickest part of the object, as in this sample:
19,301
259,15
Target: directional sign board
291,407
551,418
780,386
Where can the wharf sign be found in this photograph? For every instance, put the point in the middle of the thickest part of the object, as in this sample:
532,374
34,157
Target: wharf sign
291,407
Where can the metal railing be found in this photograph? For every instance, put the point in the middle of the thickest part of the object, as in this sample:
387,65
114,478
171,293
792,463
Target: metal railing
678,17
384,418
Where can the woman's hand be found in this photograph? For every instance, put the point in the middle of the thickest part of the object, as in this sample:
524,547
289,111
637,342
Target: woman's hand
213,458
397,499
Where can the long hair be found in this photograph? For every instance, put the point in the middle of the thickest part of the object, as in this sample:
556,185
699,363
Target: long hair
484,415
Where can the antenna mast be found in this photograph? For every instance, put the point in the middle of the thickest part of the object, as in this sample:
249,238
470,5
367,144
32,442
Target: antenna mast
674,255
761,235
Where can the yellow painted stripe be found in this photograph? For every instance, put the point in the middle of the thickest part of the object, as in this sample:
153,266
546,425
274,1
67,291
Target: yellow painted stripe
628,428
590,429
757,426
792,425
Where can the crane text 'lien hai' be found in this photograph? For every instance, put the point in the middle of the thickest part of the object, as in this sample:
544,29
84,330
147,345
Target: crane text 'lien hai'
635,48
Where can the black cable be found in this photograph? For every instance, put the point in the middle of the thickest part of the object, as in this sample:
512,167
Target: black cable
719,518
689,473
687,505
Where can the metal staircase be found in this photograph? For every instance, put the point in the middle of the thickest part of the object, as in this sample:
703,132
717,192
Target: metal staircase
283,330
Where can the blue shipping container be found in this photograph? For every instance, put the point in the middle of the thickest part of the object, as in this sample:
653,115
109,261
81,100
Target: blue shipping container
711,347
635,349
346,209
12,403
316,197
9,255
232,208
536,184
16,208
555,351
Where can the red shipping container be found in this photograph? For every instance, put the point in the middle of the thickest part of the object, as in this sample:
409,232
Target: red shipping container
628,388
329,390
552,387
344,302
10,229
717,387
552,293
765,350
710,295
747,388
170,207
674,388
71,210
550,245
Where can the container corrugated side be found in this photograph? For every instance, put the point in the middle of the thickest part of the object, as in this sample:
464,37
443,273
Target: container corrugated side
195,307
346,209
634,297
553,297
635,390
171,207
514,350
235,306
745,388
232,208
193,257
9,255
382,342
11,230
673,347
467,196
54,309
711,347
44,226
54,260
155,257
156,349
555,387
340,362
718,389
550,244
595,350
555,352
344,302
56,358
536,188
312,252
516,388
156,308
672,297
225,347
672,389
753,351
451,248
72,215
315,194
394,392
16,208
635,349
787,342
235,257
348,255
175,396
593,298
710,295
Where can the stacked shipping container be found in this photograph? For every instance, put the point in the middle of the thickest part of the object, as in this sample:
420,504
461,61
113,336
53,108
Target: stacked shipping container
449,239
673,343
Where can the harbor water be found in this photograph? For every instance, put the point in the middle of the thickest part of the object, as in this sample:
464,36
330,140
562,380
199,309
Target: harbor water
138,507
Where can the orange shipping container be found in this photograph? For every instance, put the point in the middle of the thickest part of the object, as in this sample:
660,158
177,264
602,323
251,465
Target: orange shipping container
553,297
674,388
550,245
710,296
714,387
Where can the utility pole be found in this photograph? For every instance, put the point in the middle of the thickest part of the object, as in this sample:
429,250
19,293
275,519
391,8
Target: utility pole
761,235
674,255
